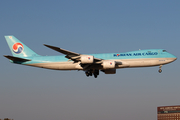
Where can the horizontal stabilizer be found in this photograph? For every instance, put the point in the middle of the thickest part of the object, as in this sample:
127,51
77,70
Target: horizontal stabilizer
16,58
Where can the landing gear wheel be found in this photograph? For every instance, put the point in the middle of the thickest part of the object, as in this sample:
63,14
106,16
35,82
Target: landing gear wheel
87,74
160,71
95,75
97,72
92,72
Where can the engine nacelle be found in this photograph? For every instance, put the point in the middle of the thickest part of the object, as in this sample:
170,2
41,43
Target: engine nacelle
110,71
87,59
108,64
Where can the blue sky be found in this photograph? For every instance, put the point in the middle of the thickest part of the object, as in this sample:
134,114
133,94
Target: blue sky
96,26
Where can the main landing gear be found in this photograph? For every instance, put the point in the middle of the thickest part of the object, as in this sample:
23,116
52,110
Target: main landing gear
92,72
160,69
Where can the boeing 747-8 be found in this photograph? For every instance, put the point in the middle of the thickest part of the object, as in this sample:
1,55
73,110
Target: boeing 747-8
90,63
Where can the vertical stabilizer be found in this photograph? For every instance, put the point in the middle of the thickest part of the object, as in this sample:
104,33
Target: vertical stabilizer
19,49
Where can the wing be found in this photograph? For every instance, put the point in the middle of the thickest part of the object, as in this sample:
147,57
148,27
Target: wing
87,61
16,59
63,51
70,55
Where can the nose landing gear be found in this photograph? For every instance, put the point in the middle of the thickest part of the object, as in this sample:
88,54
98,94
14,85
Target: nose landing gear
160,69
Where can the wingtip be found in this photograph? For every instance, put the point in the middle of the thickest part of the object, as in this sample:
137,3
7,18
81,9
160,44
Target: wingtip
5,55
46,45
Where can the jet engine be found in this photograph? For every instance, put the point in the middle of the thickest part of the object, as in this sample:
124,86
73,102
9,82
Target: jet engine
87,59
108,64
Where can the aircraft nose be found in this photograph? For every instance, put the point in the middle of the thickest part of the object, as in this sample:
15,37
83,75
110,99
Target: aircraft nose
174,58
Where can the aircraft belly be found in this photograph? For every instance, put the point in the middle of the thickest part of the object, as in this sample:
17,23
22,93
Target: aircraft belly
145,62
57,66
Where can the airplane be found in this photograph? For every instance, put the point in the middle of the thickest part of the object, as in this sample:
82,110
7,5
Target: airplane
90,63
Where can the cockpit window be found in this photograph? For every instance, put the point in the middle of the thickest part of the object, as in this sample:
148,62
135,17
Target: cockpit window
164,51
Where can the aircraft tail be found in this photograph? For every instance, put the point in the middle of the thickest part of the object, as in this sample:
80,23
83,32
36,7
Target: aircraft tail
19,49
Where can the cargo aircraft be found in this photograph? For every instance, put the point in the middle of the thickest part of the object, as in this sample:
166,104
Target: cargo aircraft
90,63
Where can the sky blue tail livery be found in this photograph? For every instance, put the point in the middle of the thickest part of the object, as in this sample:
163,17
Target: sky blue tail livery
19,49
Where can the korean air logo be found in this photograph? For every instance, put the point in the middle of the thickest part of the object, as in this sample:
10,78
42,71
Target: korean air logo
89,58
110,63
117,55
17,48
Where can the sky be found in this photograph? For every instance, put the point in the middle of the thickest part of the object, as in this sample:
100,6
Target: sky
89,26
